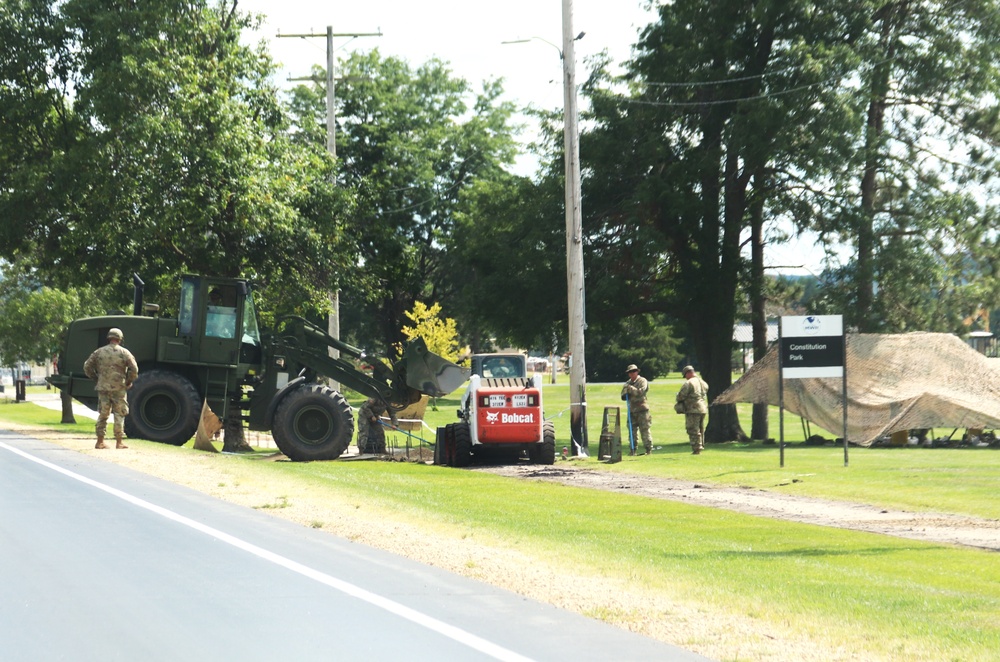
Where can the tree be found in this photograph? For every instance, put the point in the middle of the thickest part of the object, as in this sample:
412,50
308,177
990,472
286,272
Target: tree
440,334
645,340
174,158
714,134
411,143
914,202
507,263
160,147
33,320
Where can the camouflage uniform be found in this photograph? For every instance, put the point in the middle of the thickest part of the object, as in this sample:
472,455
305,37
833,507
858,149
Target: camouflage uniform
114,369
638,407
371,433
694,396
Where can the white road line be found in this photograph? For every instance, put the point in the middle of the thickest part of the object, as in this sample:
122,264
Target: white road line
393,607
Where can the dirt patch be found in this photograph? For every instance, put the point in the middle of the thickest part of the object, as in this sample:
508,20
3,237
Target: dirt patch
929,527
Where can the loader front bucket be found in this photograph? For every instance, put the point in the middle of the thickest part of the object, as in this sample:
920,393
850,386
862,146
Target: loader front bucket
425,371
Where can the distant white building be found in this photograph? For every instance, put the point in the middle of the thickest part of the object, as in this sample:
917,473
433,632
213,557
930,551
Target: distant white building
743,336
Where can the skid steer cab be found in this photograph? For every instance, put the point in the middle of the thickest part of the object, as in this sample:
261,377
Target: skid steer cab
500,418
215,351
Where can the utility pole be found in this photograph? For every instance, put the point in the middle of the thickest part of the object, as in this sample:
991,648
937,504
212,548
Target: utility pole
333,321
574,237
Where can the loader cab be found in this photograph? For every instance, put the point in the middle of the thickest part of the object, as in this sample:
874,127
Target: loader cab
219,317
499,366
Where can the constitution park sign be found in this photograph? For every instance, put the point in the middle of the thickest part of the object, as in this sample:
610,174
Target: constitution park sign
811,346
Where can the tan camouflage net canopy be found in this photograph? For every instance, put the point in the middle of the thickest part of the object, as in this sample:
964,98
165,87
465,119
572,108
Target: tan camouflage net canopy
894,382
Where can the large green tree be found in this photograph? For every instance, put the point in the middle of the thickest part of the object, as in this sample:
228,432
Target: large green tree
163,149
412,142
915,203
714,135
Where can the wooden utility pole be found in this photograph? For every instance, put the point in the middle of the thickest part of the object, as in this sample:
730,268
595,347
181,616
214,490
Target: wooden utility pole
333,321
574,237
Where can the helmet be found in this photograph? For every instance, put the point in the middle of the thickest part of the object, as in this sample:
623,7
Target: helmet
116,333
686,369
631,367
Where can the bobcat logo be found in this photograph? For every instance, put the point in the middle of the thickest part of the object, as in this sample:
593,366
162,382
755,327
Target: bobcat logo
491,417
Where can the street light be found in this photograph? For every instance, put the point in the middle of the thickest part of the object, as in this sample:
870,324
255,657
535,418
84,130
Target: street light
574,231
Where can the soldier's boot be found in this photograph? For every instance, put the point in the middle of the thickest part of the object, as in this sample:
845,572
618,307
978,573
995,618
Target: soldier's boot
118,442
100,442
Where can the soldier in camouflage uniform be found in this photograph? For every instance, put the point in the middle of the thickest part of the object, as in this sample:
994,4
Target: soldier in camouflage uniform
114,369
694,397
371,434
634,391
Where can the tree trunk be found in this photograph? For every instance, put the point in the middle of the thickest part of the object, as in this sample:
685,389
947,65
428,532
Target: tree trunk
864,313
67,407
234,439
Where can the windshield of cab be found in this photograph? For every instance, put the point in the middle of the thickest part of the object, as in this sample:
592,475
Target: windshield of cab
251,334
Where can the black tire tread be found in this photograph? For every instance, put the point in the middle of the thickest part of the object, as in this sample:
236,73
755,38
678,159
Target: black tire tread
181,390
336,407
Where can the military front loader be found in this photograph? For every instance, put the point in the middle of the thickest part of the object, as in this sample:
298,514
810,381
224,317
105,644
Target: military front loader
214,351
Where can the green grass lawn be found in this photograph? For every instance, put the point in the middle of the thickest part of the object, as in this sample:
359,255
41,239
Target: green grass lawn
877,596
953,480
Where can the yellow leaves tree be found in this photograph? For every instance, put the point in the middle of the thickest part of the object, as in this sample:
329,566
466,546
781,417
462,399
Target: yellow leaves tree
438,332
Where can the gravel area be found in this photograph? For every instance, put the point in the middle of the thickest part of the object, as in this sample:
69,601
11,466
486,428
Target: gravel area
929,527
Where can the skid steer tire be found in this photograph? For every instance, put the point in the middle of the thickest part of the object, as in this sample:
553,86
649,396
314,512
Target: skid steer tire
545,452
164,407
313,422
463,445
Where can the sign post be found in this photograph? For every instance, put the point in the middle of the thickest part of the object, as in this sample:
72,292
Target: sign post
811,346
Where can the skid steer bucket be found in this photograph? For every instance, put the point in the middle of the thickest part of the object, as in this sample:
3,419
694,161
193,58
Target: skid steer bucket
425,371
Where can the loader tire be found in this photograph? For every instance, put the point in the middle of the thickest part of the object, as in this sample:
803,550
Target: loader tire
463,445
313,422
546,451
439,443
164,407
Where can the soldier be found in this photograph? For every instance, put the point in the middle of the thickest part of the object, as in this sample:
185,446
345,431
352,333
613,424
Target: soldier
693,398
114,369
371,436
636,388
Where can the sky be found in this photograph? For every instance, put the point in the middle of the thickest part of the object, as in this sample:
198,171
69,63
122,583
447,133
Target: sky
468,34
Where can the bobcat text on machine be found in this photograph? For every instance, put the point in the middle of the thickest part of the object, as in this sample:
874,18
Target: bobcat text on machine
501,414
214,351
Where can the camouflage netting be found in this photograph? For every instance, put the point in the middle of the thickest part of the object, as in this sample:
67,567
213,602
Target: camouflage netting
894,382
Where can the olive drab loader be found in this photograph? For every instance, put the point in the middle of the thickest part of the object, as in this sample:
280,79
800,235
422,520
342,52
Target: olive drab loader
215,351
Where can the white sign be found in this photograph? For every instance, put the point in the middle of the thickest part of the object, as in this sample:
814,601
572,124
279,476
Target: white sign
812,346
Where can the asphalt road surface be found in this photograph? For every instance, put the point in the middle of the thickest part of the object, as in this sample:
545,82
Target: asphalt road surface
101,563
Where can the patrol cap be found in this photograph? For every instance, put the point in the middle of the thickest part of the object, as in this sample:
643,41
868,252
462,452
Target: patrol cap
115,333
631,367
686,369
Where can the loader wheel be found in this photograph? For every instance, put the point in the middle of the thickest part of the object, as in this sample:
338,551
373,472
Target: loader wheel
163,407
313,422
545,452
463,445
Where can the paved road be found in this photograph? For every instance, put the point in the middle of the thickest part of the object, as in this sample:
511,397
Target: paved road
101,563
